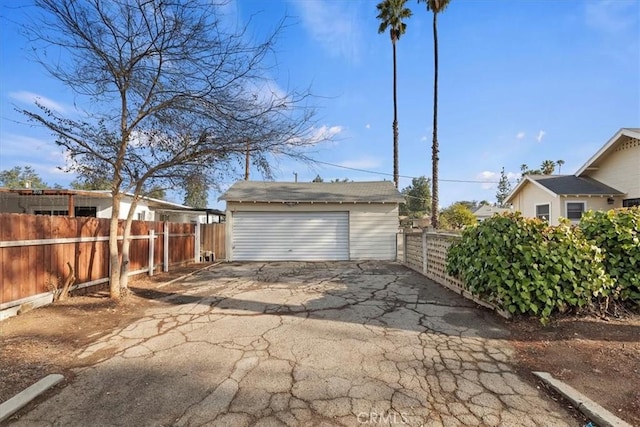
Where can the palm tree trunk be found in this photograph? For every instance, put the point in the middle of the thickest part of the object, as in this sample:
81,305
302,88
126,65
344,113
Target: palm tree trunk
396,173
434,146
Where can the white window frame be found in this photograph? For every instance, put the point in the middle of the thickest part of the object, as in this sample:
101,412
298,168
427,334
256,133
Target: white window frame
536,211
566,209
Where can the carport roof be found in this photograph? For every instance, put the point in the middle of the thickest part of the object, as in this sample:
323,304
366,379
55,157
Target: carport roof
324,192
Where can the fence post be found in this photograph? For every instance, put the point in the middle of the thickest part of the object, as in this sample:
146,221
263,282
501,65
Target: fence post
165,261
152,236
197,243
404,248
424,252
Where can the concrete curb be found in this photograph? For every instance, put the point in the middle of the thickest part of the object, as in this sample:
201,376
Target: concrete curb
21,399
591,409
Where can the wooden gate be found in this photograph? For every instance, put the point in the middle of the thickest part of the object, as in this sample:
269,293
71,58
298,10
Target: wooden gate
212,240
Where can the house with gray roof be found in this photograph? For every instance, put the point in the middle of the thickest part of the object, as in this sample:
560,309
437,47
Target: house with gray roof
318,221
609,179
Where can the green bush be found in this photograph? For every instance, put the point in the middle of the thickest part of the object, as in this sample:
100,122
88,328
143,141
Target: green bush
617,233
525,266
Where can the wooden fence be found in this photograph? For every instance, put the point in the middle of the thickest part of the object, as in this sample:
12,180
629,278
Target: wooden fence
212,239
35,249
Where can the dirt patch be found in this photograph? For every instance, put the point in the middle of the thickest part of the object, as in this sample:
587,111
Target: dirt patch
45,340
600,358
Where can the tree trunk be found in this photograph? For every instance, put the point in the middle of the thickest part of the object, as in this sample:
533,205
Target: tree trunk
114,259
434,146
396,173
126,244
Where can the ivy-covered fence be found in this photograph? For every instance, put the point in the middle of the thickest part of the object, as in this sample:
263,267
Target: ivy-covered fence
519,265
525,266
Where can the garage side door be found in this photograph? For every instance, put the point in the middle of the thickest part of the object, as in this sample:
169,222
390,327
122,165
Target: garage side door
288,236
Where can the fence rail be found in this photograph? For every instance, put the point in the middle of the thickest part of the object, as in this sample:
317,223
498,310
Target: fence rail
35,249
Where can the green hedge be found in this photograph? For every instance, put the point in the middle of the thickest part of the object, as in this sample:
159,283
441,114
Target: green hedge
525,266
617,233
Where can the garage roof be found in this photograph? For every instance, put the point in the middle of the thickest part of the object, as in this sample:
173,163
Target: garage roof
324,192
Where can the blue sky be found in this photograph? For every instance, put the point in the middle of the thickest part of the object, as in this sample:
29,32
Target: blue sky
520,82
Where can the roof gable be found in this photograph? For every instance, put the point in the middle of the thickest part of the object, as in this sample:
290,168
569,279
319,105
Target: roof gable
325,192
621,136
566,185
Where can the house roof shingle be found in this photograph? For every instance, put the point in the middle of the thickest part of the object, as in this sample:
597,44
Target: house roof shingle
331,192
574,185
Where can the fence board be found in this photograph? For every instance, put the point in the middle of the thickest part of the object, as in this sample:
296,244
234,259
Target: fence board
212,238
26,269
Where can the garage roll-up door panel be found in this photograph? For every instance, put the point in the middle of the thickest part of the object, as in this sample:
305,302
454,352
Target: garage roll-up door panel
282,236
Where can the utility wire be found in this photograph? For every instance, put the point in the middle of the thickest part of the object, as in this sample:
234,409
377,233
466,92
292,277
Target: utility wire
402,176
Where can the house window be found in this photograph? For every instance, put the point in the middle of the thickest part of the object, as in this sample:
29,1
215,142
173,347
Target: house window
543,211
628,203
575,210
142,215
50,212
89,211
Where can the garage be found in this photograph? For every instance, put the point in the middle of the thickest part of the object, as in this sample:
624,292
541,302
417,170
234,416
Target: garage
277,236
275,221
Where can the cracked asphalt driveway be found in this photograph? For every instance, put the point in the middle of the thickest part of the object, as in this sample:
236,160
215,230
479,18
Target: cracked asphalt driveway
339,343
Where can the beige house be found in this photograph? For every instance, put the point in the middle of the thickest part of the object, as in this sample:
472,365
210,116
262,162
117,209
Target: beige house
487,211
609,179
97,204
278,221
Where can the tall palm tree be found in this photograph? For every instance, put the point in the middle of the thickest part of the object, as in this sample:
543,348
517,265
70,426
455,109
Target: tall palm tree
391,13
559,163
548,166
435,6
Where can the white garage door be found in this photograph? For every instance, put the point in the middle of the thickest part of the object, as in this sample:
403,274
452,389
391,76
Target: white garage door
281,236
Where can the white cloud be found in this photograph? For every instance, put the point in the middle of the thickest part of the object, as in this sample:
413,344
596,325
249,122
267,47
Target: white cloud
362,163
491,178
611,16
424,138
333,25
31,98
325,132
520,135
540,136
368,126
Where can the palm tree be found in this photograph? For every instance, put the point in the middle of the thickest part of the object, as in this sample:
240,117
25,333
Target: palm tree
548,166
391,13
559,163
435,6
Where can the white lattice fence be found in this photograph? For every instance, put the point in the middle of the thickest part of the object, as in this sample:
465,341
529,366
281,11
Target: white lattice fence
437,247
413,251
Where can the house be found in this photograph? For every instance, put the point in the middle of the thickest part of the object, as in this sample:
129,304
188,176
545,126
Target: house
609,179
273,221
487,211
97,204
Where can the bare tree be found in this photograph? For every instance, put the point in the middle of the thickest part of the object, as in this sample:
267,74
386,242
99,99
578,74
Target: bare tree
165,88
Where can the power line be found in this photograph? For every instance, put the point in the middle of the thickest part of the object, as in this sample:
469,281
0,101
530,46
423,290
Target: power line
402,176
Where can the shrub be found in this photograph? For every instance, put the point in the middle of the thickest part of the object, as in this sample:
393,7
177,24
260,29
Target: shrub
617,233
525,266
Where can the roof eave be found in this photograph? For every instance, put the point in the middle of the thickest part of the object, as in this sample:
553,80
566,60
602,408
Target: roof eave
381,202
